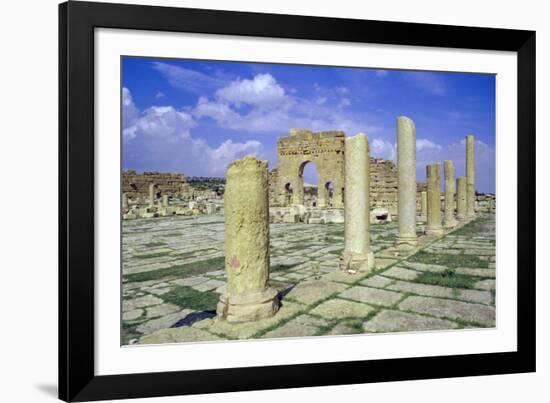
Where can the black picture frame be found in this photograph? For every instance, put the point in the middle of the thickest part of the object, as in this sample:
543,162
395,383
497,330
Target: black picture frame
77,379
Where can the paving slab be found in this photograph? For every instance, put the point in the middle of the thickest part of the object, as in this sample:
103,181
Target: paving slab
395,321
310,292
372,296
470,312
401,273
376,281
178,335
339,308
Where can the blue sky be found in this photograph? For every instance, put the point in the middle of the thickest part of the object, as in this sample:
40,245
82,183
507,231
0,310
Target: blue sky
196,116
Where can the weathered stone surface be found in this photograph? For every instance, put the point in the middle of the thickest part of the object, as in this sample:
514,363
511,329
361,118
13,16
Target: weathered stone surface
449,172
434,268
247,296
470,177
178,335
161,310
341,329
246,330
301,326
395,321
209,285
163,322
485,284
370,295
341,277
356,211
461,204
326,151
482,314
381,263
376,281
433,222
401,273
310,292
339,308
190,281
132,315
422,289
406,167
476,272
140,302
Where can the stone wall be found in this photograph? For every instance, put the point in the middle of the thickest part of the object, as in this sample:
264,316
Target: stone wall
485,203
171,184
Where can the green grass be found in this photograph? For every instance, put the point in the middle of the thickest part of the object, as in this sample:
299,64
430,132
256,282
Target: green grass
154,244
281,267
152,255
178,271
187,297
448,278
128,332
451,261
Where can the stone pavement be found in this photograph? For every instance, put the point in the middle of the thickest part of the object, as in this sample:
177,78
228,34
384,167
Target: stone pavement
173,273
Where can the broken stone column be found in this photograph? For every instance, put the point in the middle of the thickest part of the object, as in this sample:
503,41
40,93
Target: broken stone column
357,253
124,201
461,210
423,206
151,194
449,169
433,222
164,200
248,296
470,177
406,184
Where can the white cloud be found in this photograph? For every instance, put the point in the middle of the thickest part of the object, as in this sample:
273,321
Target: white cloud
262,91
380,148
321,100
425,144
381,73
187,79
159,95
431,83
160,139
344,102
342,90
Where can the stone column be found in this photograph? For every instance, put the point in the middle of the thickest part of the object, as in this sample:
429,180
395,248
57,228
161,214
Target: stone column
356,205
470,177
298,191
450,191
164,200
151,194
461,210
433,222
124,201
406,184
423,206
246,201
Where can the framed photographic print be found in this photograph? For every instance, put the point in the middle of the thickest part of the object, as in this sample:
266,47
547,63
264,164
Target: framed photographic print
258,201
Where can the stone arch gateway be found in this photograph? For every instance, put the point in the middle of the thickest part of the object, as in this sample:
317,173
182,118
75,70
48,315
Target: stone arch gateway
325,150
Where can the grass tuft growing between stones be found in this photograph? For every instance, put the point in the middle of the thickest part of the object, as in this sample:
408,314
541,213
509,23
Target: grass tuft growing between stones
154,244
281,267
187,297
153,255
178,271
448,278
451,261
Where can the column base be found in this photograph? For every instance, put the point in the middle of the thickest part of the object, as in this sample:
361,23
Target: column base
353,262
434,231
450,224
406,242
248,308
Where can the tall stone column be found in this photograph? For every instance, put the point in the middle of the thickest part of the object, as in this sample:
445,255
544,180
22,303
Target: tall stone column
248,296
164,200
356,204
450,191
298,191
406,184
433,222
461,210
423,206
124,201
470,177
151,194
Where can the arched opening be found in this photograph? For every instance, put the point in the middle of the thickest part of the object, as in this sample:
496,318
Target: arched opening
308,180
329,191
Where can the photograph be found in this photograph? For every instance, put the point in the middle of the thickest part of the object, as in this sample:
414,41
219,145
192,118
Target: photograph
269,200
